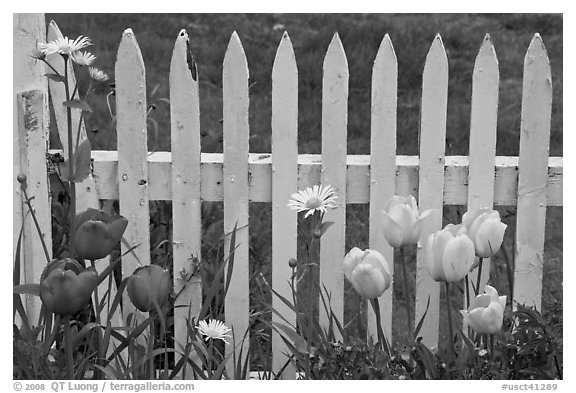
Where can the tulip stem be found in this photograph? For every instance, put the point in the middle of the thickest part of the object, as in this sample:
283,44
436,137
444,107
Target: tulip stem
382,341
69,353
451,333
466,279
406,292
477,289
98,321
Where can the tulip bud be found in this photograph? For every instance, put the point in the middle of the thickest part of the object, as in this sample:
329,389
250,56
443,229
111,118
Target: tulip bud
149,288
293,262
485,230
64,292
98,234
401,221
486,312
450,254
367,271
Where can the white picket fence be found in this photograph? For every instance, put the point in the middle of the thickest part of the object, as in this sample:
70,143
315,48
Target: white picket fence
237,177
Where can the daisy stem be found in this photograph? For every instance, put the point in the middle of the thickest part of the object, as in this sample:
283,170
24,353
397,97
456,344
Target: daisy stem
310,309
52,68
479,276
71,163
450,332
406,291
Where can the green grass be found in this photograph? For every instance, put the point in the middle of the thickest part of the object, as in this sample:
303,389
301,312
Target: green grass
361,35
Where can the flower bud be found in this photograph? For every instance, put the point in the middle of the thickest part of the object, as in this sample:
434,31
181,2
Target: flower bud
21,178
486,312
64,292
401,221
450,254
485,230
149,288
367,271
317,233
293,262
98,234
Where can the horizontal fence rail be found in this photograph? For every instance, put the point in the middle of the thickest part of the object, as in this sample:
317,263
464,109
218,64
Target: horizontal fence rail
188,177
309,171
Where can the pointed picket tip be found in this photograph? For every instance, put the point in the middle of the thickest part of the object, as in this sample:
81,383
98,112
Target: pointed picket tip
235,51
179,57
486,55
335,53
386,51
284,53
182,33
436,55
536,51
129,46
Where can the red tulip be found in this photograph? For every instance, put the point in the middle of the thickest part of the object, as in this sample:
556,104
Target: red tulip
149,287
63,290
98,234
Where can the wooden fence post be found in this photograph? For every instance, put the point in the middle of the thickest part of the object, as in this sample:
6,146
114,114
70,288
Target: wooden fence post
186,203
431,180
533,175
383,166
34,143
334,132
131,115
483,122
29,86
236,190
284,183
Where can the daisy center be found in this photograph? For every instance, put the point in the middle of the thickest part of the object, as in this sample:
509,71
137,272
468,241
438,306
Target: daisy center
313,203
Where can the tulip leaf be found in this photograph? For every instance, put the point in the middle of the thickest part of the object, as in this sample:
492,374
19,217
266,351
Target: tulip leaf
78,104
27,289
82,161
421,322
298,341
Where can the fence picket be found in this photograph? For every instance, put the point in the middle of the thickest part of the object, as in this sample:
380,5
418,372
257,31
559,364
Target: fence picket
236,195
28,82
186,203
33,137
533,174
483,124
132,155
334,150
431,179
383,165
284,183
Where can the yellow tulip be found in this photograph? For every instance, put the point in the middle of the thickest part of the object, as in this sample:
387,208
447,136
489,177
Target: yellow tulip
450,254
149,287
486,312
367,271
401,221
485,230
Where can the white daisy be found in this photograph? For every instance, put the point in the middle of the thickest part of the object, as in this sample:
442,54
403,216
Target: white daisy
83,58
213,329
65,46
313,198
97,75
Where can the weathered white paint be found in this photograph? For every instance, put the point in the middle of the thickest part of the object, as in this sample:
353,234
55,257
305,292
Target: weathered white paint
186,203
334,132
284,183
236,190
132,174
28,29
309,168
483,124
383,165
431,179
34,142
532,174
